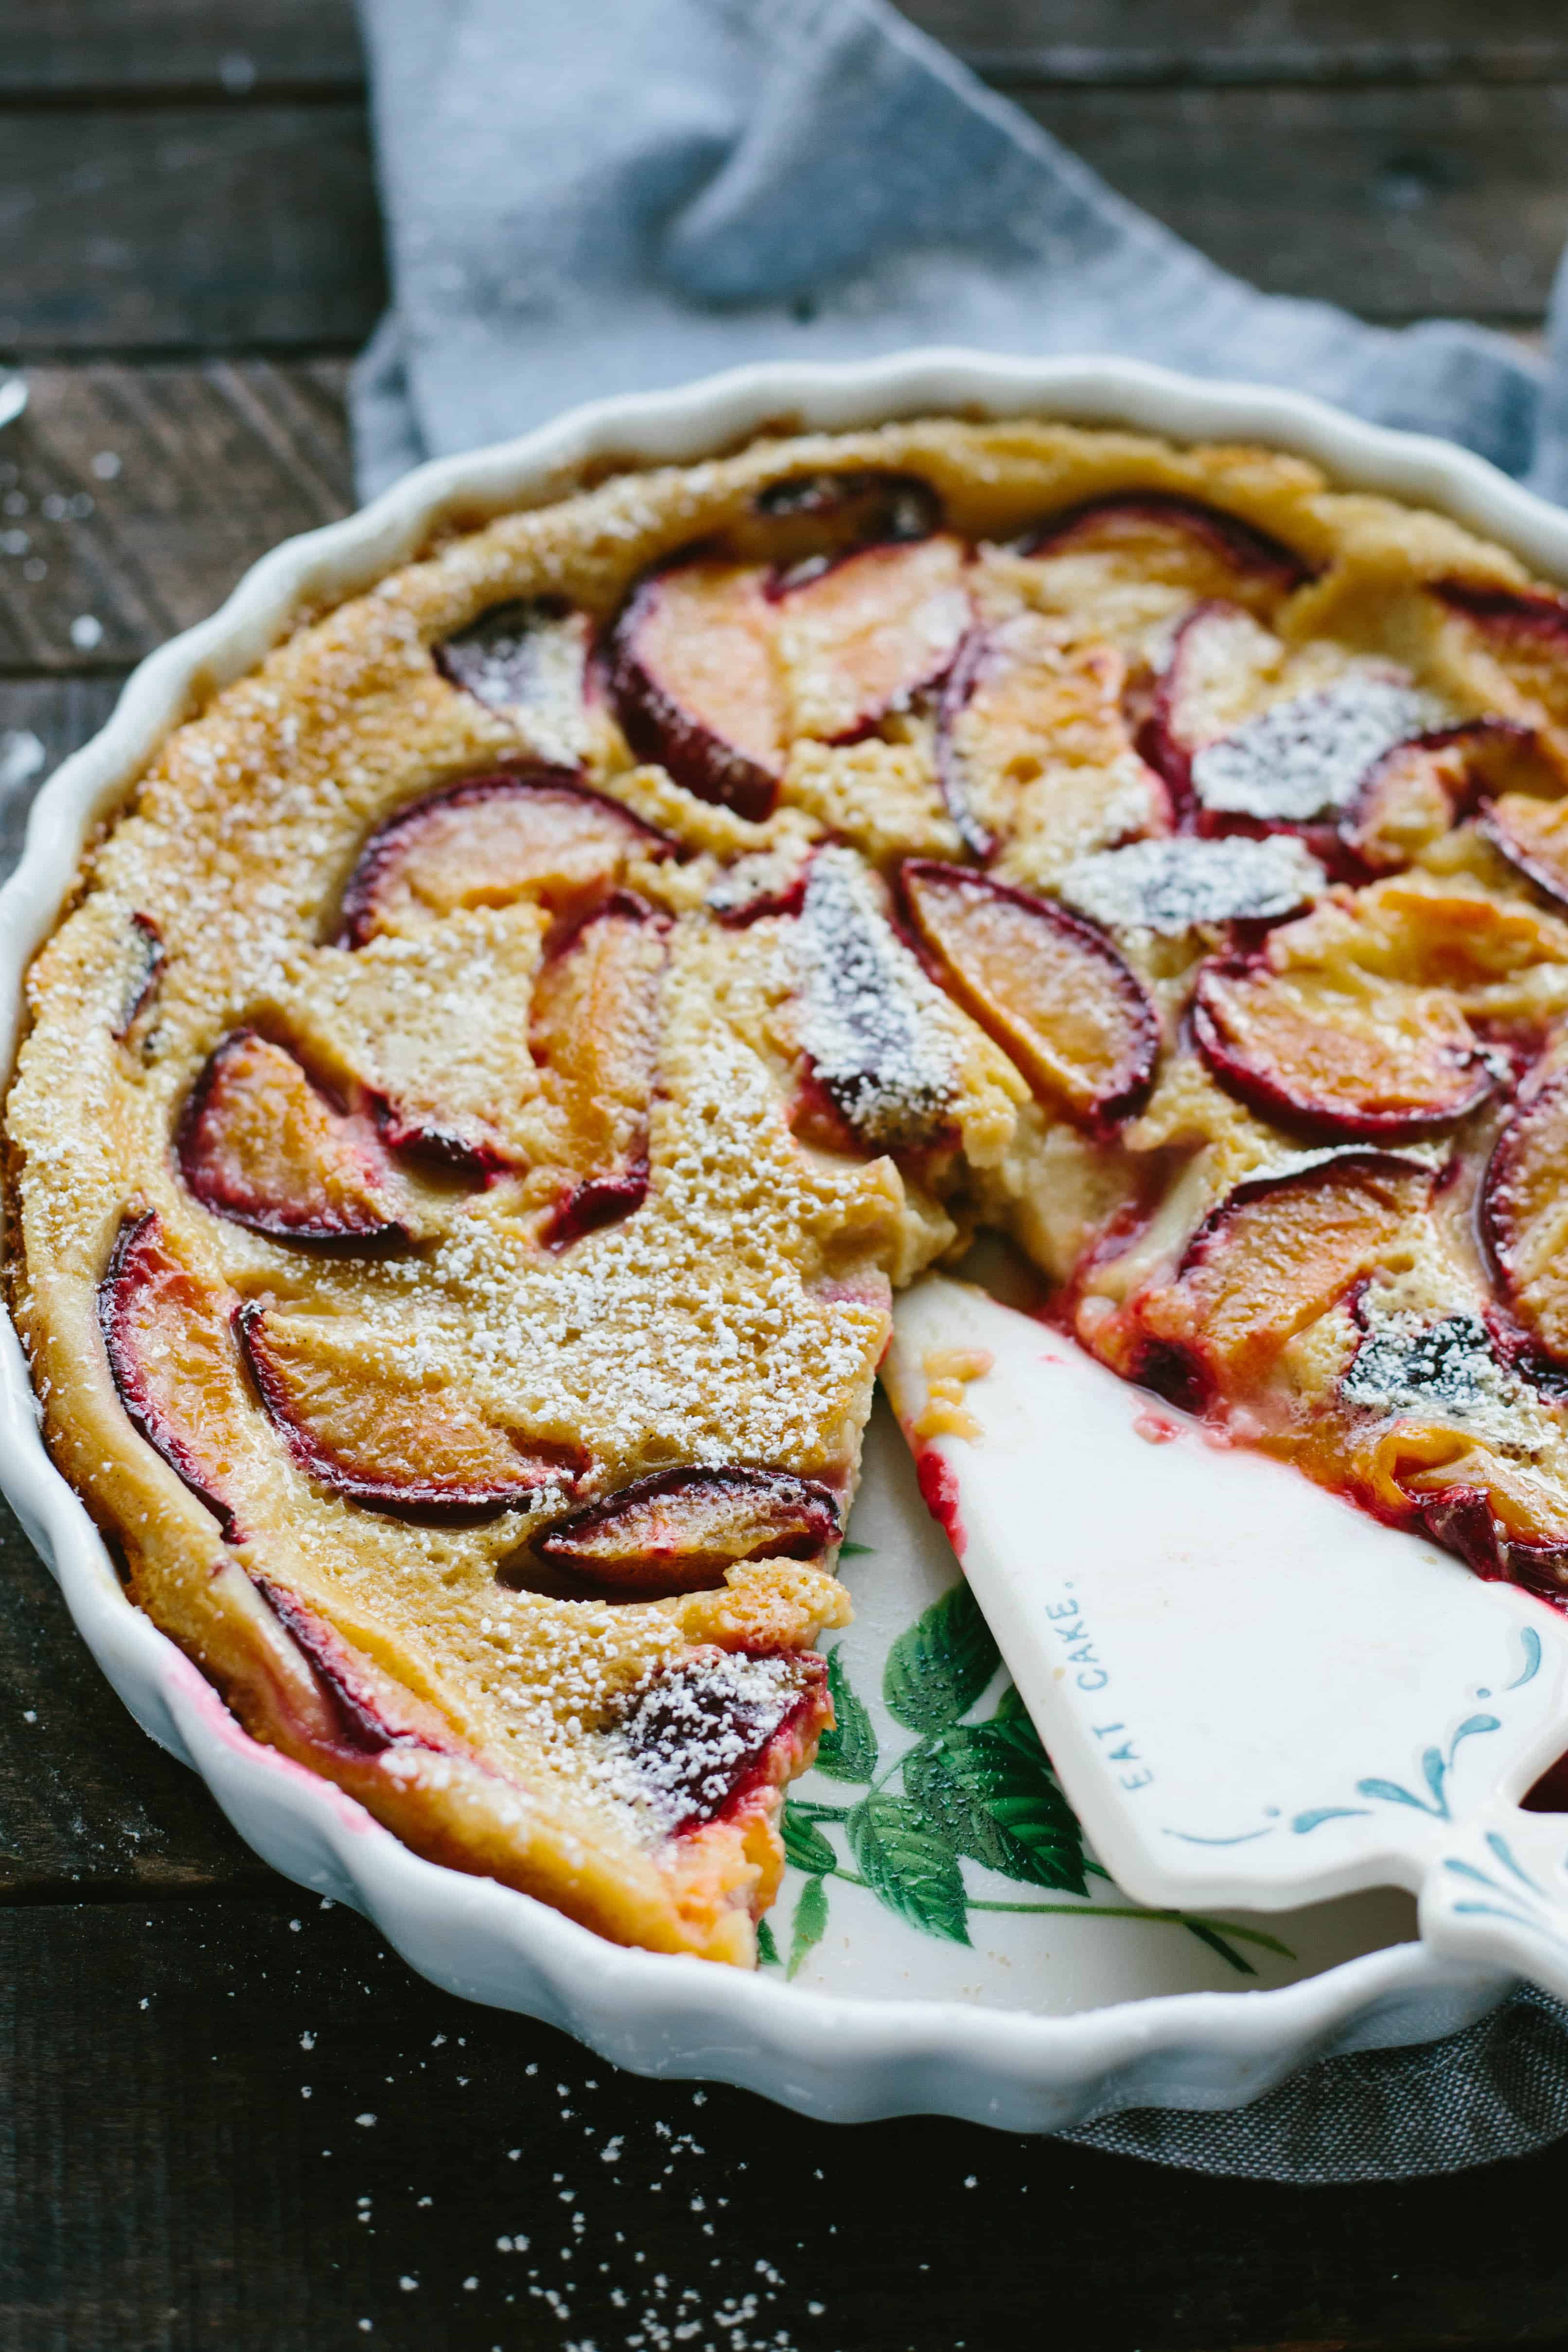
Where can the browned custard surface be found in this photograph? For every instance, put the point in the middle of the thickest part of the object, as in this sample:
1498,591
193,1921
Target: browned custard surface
500,1061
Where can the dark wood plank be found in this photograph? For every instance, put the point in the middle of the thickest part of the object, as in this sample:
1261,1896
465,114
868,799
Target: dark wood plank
40,720
87,1801
166,2185
195,227
1394,203
1252,40
55,49
255,226
132,498
52,48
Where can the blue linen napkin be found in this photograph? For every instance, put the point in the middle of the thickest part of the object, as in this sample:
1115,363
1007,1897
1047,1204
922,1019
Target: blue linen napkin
613,195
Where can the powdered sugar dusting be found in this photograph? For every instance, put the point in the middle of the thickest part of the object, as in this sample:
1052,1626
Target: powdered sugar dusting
529,660
1446,1370
866,1011
693,1731
1169,885
655,1331
1304,758
756,883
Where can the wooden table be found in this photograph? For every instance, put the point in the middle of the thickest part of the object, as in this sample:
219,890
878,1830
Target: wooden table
233,2120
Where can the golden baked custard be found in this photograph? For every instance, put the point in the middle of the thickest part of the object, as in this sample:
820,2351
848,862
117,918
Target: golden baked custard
500,1061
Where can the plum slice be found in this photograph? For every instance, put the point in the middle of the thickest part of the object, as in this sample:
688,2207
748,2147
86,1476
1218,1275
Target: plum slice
696,682
595,1038
1306,758
868,633
431,1034
809,520
1527,633
700,1736
1524,1214
1025,707
1301,756
1180,542
165,1332
538,832
869,1019
354,1724
763,882
1220,660
1049,987
1168,886
390,1443
1416,790
1446,1369
146,969
1276,1254
1447,1400
1407,798
1532,834
1334,1054
529,660
679,1530
1464,1519
259,1144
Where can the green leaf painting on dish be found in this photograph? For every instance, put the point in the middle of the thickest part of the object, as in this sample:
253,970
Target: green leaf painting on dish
993,1796
804,1842
937,1669
910,1865
848,1752
983,1792
810,1919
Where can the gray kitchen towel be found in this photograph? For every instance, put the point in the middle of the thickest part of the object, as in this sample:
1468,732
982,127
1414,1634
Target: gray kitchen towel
595,196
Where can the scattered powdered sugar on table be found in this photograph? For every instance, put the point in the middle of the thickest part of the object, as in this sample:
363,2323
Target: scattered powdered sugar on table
1304,758
1169,885
869,1016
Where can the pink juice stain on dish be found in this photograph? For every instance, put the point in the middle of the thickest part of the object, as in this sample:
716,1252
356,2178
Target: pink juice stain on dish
1155,1429
939,1492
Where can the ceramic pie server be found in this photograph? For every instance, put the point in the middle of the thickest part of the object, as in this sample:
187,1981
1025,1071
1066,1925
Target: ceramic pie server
1254,1694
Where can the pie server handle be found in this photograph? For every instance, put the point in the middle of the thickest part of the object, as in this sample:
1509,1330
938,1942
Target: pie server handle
1254,1694
1498,1892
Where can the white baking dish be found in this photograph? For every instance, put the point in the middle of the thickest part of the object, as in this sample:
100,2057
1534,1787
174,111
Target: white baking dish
864,2031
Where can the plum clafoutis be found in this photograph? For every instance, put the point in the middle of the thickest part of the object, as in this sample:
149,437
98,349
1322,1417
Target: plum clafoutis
486,1089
